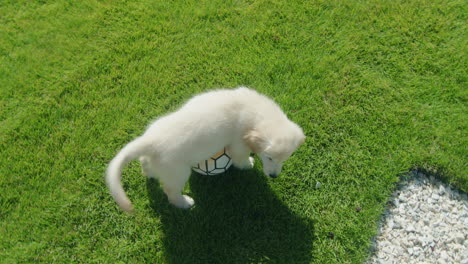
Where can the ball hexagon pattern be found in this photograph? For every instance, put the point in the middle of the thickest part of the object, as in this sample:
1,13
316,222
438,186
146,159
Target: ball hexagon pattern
218,163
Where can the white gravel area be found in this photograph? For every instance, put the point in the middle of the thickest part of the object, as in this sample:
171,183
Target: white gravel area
427,222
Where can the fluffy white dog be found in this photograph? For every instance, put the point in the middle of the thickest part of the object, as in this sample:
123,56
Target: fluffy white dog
241,120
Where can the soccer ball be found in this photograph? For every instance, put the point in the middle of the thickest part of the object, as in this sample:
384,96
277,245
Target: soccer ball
218,163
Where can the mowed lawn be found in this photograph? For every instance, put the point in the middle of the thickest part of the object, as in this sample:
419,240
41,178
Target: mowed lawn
379,88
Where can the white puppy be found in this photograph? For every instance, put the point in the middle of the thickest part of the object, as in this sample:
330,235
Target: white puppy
241,120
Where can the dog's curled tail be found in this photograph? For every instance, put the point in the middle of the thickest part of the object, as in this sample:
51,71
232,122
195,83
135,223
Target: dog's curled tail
131,151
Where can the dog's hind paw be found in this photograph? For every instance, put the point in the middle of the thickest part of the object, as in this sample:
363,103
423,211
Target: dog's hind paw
183,201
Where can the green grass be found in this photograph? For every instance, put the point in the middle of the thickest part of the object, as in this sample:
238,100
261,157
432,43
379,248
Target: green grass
378,86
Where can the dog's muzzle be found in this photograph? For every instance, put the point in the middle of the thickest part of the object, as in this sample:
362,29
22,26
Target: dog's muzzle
272,175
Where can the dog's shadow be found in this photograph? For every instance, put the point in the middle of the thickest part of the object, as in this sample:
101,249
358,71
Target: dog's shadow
236,219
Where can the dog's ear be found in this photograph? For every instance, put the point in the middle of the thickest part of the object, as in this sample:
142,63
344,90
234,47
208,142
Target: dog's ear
255,141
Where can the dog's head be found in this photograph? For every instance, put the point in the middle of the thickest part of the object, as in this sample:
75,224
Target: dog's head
275,145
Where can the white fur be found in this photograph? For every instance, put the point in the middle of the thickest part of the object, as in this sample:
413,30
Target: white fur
241,120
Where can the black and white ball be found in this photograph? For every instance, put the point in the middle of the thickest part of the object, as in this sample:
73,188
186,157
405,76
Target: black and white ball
218,163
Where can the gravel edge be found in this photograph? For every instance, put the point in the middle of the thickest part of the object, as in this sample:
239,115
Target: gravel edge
426,221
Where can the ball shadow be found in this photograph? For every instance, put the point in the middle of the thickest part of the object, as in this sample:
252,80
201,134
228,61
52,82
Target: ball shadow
236,219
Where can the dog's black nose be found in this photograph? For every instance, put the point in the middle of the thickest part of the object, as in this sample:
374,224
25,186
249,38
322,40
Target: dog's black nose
272,175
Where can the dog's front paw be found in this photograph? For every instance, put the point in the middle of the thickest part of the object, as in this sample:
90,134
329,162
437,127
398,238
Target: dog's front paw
246,164
183,201
251,163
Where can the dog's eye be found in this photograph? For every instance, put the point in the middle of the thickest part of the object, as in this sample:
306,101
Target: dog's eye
270,159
